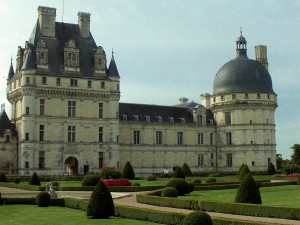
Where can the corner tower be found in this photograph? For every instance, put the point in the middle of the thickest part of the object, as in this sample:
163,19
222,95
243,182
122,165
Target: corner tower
244,103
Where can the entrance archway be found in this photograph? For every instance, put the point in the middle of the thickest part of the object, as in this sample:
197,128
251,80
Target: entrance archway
71,165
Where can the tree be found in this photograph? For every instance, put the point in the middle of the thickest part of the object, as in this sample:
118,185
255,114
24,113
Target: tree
178,173
296,154
186,170
279,161
245,170
271,169
128,171
248,191
101,205
35,180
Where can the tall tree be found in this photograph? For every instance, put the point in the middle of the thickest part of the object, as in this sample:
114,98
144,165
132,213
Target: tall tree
296,154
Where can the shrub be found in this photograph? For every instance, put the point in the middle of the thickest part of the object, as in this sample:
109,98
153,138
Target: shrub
136,184
290,169
56,183
197,181
248,191
90,180
110,173
271,169
17,180
151,178
241,167
197,218
43,199
215,175
128,172
210,180
3,177
186,170
245,170
169,192
191,186
35,180
178,173
101,204
180,184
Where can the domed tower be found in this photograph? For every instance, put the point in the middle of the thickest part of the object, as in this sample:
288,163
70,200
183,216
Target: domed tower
244,103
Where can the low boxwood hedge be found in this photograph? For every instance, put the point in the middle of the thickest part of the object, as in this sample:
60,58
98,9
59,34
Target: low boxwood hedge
32,201
251,210
216,187
22,186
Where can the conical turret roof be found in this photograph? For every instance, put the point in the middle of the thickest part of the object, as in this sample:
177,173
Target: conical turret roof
112,69
11,72
4,123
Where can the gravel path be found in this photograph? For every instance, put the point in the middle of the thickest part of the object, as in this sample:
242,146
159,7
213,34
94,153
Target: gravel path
129,199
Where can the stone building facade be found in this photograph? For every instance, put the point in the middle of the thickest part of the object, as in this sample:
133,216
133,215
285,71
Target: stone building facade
67,117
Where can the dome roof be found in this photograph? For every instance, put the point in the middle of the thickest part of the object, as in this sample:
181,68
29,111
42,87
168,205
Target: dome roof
242,75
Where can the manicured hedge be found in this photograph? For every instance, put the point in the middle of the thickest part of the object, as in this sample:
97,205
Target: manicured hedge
32,201
251,210
23,186
216,187
281,183
165,201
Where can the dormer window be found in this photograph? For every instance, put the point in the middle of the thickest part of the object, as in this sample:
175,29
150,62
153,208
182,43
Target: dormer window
71,54
124,117
41,55
159,119
135,117
147,118
171,119
182,120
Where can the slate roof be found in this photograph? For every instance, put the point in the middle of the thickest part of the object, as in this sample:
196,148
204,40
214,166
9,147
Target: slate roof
11,72
5,123
153,111
112,69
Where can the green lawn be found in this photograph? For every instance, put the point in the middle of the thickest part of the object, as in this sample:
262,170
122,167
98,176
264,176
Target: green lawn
287,196
31,214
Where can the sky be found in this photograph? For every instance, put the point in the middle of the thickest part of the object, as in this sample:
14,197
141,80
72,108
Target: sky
167,49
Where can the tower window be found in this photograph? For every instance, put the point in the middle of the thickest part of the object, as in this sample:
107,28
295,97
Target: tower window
57,81
200,139
71,133
100,110
44,80
228,138
229,159
71,108
136,137
100,134
89,83
201,160
42,132
227,118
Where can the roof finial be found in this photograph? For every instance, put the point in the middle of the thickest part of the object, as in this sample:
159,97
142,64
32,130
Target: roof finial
112,52
241,31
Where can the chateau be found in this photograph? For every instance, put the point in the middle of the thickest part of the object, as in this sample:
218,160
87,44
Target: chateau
67,116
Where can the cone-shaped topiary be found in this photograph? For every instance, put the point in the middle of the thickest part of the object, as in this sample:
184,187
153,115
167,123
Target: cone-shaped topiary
245,170
248,191
180,184
43,199
238,173
271,169
178,173
186,170
198,218
128,171
35,180
2,177
101,204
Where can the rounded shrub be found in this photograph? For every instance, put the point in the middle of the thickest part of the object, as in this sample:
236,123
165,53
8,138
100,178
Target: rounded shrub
197,218
90,180
136,184
271,169
180,184
186,170
244,171
151,178
17,180
56,183
191,186
101,204
215,175
43,199
35,180
128,172
197,181
178,173
248,191
110,173
169,192
3,177
210,180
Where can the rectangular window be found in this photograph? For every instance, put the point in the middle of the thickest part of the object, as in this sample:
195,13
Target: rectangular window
100,134
253,163
227,118
246,96
26,165
27,80
269,161
200,160
211,156
228,138
7,138
180,138
69,59
89,83
71,108
258,96
233,96
42,132
101,160
200,119
200,139
102,84
136,137
222,97
42,107
27,110
100,110
158,137
229,159
58,81
44,80
41,160
71,133
73,82
26,136
211,138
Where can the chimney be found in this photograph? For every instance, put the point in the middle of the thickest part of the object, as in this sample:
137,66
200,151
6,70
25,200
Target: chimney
183,100
47,21
84,24
261,55
205,100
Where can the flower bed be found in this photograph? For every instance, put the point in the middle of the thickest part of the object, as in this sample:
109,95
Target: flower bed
116,182
291,175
